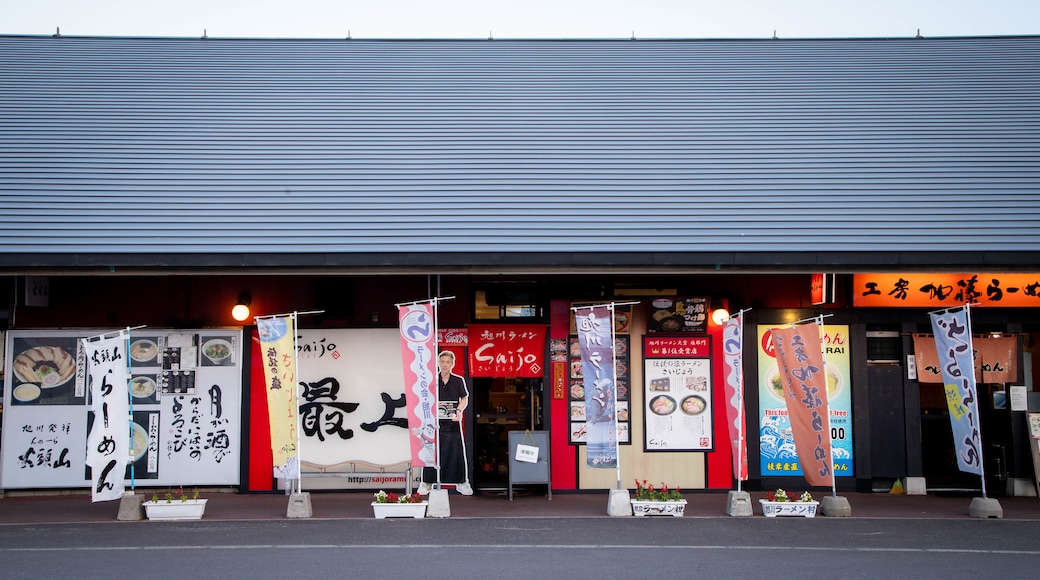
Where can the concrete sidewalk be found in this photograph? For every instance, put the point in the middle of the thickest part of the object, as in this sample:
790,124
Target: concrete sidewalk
42,507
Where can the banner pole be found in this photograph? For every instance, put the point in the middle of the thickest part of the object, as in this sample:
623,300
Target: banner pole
130,396
296,387
975,395
436,387
613,357
740,406
826,393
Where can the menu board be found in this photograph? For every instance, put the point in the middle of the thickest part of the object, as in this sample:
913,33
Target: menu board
677,405
679,314
185,394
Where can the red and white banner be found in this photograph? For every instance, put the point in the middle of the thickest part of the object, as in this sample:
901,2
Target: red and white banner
419,354
108,444
736,417
516,350
799,358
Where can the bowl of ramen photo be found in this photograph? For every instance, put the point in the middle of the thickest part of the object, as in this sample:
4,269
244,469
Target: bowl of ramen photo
693,405
47,366
662,405
138,441
775,385
143,350
26,392
217,350
142,387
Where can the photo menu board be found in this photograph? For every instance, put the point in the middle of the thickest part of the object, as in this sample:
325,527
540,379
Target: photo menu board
185,393
677,405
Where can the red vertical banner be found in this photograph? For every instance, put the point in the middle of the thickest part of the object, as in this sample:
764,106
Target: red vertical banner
799,358
419,353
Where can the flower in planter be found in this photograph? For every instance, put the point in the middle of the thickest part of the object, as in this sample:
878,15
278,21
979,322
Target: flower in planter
781,495
647,492
384,497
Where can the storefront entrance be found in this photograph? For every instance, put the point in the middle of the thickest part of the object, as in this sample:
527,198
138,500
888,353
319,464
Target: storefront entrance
501,405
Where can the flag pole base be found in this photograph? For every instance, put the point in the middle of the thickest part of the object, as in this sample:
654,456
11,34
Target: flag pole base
299,505
738,504
985,507
620,503
131,507
439,506
835,506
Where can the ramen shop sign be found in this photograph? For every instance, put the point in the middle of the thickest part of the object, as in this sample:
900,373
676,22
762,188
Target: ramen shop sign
507,351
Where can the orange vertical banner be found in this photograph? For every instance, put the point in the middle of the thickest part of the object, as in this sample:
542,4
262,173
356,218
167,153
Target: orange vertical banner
799,358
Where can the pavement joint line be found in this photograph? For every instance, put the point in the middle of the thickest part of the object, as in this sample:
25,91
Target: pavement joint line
519,547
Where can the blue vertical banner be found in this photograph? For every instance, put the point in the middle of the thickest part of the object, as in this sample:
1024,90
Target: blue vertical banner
596,339
952,330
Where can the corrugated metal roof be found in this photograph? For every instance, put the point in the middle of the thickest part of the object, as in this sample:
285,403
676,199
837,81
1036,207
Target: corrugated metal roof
695,151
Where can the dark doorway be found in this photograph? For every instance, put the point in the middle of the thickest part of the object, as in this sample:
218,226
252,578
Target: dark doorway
501,405
887,423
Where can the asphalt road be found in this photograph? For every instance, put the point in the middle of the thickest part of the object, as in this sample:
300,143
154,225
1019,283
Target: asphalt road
632,548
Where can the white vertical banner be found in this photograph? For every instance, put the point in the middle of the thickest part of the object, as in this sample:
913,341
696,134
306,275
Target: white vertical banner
736,422
108,444
953,345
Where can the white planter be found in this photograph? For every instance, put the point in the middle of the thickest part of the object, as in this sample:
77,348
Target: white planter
191,509
674,508
804,509
399,510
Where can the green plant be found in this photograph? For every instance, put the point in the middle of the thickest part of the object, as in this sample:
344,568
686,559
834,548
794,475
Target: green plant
169,496
195,493
647,492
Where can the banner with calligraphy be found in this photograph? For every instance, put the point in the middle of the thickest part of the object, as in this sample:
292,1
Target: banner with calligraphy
419,356
596,341
799,357
108,444
937,290
278,349
678,413
995,360
953,344
736,414
513,350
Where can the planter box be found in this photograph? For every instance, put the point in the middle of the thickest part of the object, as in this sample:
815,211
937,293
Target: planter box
674,508
191,509
399,510
805,509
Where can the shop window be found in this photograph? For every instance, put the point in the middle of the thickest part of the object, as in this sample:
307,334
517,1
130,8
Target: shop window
515,304
884,347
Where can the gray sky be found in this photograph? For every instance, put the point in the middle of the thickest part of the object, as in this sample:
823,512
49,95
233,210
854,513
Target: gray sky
522,19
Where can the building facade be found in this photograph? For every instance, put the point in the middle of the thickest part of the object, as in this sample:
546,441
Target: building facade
150,181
